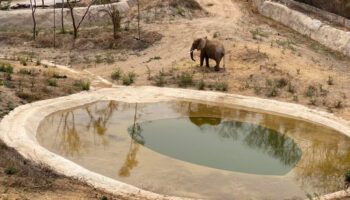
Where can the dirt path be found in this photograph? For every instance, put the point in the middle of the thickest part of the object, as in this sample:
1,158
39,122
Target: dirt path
259,50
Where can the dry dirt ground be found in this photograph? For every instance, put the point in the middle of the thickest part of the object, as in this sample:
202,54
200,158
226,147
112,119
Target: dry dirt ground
263,58
20,178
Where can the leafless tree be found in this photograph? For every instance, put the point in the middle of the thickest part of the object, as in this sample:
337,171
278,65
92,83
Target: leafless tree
62,18
76,25
33,9
115,17
138,19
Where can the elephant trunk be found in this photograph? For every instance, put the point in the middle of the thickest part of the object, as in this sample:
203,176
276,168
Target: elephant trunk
192,49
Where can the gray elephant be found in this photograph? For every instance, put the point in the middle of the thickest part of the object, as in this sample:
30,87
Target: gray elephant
209,49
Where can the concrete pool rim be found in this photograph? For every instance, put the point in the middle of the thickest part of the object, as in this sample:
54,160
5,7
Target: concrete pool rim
18,129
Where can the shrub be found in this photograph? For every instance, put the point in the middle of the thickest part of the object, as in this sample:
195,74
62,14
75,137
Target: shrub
330,80
338,104
258,34
311,91
129,78
83,84
281,82
185,79
7,68
221,86
104,198
347,177
52,82
272,92
291,88
200,85
9,84
159,79
110,59
116,74
23,61
58,76
10,170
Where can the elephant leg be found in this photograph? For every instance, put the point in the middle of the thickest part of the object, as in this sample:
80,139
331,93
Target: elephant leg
207,61
217,66
202,60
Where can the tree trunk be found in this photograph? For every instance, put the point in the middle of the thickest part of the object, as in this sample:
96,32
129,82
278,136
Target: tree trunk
115,30
34,26
62,18
138,18
75,29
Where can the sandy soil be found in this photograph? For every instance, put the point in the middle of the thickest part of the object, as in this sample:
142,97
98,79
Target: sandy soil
263,58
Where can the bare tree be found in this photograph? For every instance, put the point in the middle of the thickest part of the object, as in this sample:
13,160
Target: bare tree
33,8
138,19
76,25
115,17
62,18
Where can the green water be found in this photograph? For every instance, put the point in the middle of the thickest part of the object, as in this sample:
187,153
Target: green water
201,151
228,145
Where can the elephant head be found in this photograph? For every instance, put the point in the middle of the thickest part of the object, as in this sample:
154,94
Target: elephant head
198,44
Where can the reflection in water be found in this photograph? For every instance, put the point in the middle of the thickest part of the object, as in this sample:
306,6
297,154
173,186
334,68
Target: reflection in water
70,138
69,141
131,161
230,145
92,132
324,168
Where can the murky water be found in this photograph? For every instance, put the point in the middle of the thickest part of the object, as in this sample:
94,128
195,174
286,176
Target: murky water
201,151
220,144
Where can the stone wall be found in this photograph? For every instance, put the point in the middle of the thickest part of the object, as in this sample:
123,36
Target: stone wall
339,7
22,19
336,39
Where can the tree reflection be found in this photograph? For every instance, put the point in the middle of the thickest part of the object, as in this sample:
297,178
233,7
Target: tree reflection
99,123
136,139
70,142
324,165
267,140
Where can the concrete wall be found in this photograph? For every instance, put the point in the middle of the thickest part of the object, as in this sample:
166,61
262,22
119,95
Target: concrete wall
22,19
339,7
337,19
327,35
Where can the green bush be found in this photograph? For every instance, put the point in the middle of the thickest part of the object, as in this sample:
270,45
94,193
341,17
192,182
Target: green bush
52,82
7,68
83,84
185,79
311,91
347,177
23,61
10,170
200,85
221,86
116,74
129,78
159,79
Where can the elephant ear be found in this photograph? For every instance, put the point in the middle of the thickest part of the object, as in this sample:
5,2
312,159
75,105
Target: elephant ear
202,43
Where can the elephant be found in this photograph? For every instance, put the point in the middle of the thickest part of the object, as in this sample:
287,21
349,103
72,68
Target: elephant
209,49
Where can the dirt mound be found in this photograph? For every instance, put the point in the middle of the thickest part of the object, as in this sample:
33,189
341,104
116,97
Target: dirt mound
170,9
339,7
190,4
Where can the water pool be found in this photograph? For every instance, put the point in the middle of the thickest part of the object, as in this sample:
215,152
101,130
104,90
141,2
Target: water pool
202,151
